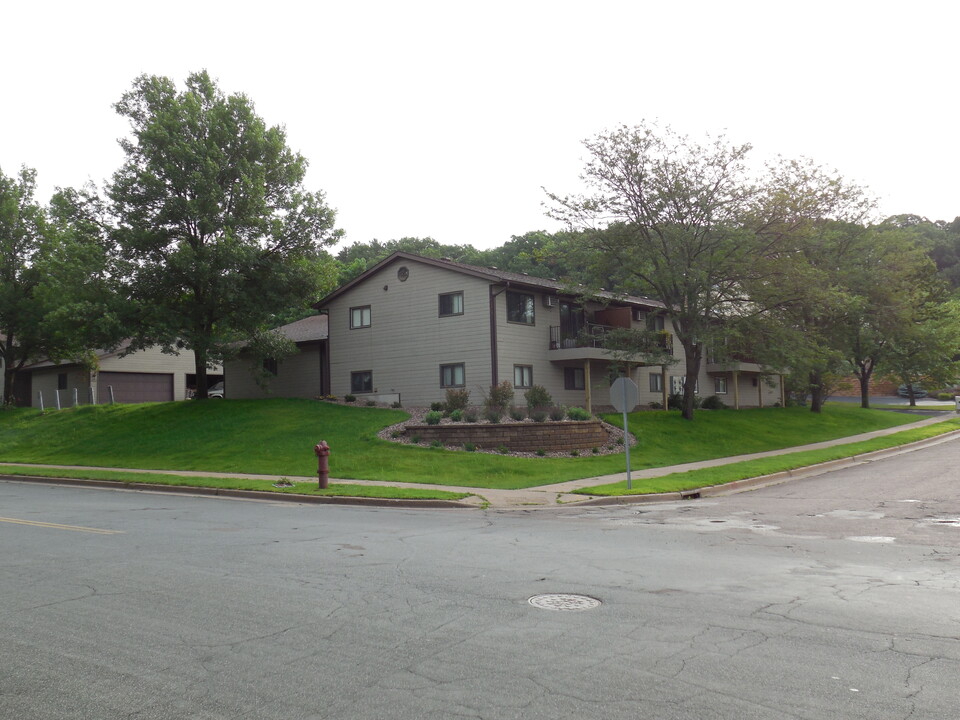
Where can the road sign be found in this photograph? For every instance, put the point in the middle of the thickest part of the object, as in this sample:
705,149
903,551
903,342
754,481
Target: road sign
624,395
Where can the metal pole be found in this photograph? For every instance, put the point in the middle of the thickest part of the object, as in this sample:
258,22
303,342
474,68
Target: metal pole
58,398
40,398
626,436
75,396
110,388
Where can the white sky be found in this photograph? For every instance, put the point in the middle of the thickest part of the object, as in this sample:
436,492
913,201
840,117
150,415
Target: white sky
445,119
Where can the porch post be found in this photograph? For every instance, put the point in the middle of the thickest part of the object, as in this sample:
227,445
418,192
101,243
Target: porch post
588,399
760,390
663,386
783,392
736,389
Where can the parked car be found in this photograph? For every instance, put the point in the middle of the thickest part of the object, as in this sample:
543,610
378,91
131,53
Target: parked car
214,391
918,392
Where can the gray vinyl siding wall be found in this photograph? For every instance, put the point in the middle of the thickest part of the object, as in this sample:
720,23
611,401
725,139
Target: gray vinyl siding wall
407,341
298,376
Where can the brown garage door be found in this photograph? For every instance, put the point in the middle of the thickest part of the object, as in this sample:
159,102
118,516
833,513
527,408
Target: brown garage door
135,387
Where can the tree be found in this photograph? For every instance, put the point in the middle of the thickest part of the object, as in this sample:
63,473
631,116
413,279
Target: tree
57,282
214,221
928,349
668,217
357,257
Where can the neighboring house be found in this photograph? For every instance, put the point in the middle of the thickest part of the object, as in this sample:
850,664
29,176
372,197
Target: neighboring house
300,375
411,327
142,376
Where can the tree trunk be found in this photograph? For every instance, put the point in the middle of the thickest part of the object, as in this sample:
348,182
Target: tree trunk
200,356
690,384
866,371
816,391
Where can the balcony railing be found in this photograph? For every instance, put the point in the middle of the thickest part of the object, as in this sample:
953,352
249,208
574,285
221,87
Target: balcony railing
593,335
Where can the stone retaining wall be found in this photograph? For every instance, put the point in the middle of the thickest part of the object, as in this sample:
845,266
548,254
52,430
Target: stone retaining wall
522,437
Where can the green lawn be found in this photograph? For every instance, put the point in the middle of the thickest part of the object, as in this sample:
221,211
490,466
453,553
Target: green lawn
277,437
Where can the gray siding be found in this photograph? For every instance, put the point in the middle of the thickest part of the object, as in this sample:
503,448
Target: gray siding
297,376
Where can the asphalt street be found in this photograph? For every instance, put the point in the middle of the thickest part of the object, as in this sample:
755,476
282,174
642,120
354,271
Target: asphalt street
836,596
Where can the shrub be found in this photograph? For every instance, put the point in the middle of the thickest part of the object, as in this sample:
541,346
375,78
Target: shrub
944,396
456,415
713,403
396,404
502,450
437,407
436,444
349,398
457,398
371,403
433,417
395,434
538,397
577,413
470,416
557,413
469,447
415,439
656,406
538,415
575,452
675,401
516,414
595,451
499,398
493,416
540,452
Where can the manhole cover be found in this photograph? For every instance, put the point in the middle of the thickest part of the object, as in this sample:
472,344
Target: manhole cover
563,601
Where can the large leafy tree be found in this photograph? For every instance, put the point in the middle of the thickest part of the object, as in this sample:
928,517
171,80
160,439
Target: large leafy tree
58,297
213,219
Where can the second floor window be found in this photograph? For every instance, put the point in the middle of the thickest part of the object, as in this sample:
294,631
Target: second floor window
360,317
451,304
520,307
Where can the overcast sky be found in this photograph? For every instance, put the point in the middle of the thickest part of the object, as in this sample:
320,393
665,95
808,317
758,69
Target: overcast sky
446,119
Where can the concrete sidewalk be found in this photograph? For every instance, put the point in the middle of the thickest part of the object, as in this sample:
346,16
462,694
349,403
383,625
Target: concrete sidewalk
548,495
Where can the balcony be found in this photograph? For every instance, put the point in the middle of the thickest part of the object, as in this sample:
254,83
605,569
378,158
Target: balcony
589,343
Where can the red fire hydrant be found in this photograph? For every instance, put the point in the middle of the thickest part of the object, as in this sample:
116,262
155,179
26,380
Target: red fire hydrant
322,451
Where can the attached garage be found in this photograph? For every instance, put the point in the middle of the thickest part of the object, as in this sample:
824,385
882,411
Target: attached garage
129,387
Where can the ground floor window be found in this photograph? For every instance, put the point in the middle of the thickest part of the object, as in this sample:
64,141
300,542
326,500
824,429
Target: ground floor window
361,381
573,378
452,375
656,382
270,366
720,385
523,376
678,381
62,381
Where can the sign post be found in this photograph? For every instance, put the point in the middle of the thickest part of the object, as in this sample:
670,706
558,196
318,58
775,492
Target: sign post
624,396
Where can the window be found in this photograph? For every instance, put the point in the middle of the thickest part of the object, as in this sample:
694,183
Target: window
655,322
360,317
573,378
451,304
678,381
523,376
452,375
61,381
270,365
361,381
656,382
519,307
720,385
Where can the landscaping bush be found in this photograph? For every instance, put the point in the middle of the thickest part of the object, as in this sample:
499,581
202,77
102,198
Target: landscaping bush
516,414
433,417
457,399
503,450
469,447
396,404
713,403
557,413
349,398
538,415
499,398
470,415
456,415
540,452
371,403
578,413
944,396
437,407
436,444
537,397
675,401
493,416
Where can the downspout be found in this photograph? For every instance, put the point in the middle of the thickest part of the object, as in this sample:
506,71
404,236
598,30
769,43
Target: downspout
494,363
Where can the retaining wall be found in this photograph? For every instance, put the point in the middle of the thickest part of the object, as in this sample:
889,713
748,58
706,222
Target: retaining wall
523,437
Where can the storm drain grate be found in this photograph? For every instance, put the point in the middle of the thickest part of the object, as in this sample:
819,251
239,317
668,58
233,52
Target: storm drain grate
563,601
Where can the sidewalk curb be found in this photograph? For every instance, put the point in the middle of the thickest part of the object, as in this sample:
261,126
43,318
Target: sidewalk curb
242,494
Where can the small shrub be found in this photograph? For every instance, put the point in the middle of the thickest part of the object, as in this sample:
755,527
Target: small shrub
469,447
944,396
675,401
433,417
502,450
577,413
470,416
436,444
371,403
538,415
595,451
437,407
656,406
456,415
415,439
516,414
395,434
713,403
349,398
493,416
457,398
575,452
557,413
499,397
538,397
396,404
540,452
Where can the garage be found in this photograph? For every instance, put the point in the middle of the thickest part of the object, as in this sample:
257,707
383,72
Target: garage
135,387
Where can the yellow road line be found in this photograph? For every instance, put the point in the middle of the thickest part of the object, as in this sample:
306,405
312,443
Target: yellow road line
55,526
